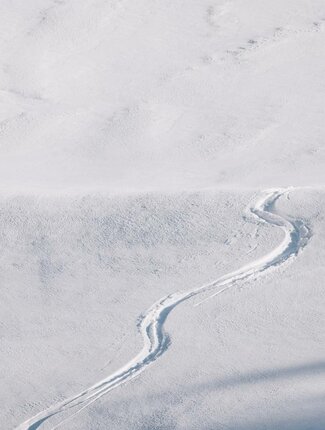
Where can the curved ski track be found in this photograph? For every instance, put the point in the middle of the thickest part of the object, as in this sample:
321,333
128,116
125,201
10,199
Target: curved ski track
151,325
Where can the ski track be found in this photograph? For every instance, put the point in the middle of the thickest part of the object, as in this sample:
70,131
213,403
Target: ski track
151,325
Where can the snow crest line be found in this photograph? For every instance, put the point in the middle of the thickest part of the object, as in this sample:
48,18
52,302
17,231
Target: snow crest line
151,325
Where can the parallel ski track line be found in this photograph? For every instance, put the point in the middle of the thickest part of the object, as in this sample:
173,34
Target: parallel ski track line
151,325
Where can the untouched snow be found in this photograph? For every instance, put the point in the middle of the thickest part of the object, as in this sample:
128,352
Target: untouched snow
123,95
135,138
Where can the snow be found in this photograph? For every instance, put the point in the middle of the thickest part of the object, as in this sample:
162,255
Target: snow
134,139
125,96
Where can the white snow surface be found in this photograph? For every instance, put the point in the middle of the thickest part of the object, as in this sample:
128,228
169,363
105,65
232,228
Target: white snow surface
162,172
129,96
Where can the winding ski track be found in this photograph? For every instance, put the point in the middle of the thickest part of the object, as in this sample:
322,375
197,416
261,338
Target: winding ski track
151,325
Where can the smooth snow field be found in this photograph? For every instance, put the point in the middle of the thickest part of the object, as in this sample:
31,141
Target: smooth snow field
162,215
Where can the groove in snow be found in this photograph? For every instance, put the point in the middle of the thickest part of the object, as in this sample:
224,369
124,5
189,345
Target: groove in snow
151,325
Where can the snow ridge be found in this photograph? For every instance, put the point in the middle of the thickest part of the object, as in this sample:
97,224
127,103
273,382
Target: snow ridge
151,325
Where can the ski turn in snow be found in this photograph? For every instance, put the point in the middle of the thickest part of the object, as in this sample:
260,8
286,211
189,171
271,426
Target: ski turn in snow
151,325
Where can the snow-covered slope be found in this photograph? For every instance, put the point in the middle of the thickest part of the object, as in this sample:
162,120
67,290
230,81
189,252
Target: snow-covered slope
123,95
134,138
